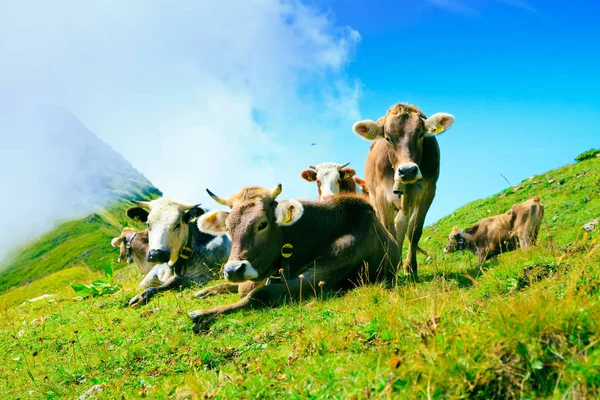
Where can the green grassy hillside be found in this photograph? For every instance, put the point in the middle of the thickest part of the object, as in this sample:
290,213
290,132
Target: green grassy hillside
81,242
526,327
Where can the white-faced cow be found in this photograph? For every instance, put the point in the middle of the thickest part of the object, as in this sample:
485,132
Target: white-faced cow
133,247
402,169
333,179
518,227
174,239
338,241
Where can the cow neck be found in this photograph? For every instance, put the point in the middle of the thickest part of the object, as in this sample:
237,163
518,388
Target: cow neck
128,246
286,253
467,243
187,250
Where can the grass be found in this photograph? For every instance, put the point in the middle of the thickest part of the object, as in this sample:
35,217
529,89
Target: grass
81,242
526,327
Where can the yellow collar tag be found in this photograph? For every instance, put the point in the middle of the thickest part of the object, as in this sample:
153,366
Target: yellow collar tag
439,129
288,217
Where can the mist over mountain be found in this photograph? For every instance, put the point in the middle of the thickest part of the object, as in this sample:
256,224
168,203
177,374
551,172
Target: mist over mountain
55,169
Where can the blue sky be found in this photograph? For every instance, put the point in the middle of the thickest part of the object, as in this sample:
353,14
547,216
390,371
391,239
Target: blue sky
233,93
521,78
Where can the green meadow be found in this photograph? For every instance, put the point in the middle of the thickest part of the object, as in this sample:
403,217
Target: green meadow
527,326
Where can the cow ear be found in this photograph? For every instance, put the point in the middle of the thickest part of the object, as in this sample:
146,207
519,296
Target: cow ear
213,222
192,214
288,212
362,184
347,173
438,123
117,241
309,175
137,214
368,129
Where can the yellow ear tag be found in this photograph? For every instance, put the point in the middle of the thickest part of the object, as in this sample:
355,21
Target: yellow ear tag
439,129
288,217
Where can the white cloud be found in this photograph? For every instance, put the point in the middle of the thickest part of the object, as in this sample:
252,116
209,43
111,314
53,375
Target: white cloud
471,7
194,94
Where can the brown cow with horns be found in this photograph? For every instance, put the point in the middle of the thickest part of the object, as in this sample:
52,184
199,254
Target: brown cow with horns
402,169
339,242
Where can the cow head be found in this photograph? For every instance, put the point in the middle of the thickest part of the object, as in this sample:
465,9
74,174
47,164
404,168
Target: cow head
255,224
121,243
331,178
456,241
168,228
404,127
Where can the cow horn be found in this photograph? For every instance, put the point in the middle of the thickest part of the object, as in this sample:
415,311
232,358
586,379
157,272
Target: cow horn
276,191
312,167
218,199
144,204
345,165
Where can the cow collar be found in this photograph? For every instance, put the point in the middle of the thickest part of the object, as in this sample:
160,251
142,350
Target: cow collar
462,243
285,263
128,246
399,188
186,252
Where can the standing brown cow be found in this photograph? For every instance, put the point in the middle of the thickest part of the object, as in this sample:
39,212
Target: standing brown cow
338,241
402,169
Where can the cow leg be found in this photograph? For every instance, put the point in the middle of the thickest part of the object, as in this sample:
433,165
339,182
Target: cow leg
415,230
385,213
174,282
217,289
401,224
153,277
268,295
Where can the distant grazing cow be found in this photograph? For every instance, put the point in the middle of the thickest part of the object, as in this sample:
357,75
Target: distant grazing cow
334,179
518,227
133,247
339,242
402,169
174,239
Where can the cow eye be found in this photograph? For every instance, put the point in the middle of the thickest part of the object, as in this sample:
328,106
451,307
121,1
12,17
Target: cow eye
148,225
262,225
387,138
177,225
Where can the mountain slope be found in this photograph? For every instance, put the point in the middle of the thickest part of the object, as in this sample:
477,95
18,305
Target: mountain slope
82,242
526,327
54,170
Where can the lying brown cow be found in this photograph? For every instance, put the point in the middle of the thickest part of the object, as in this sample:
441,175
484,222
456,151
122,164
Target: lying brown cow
518,227
338,241
402,169
333,179
133,247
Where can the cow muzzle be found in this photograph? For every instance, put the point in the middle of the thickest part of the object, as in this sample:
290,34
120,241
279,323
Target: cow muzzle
408,173
238,271
158,256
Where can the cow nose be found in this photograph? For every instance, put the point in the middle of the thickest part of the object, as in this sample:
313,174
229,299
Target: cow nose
155,255
408,173
234,270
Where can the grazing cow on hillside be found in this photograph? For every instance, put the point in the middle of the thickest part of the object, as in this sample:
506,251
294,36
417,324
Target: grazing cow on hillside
133,247
339,242
174,239
333,179
518,227
402,169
